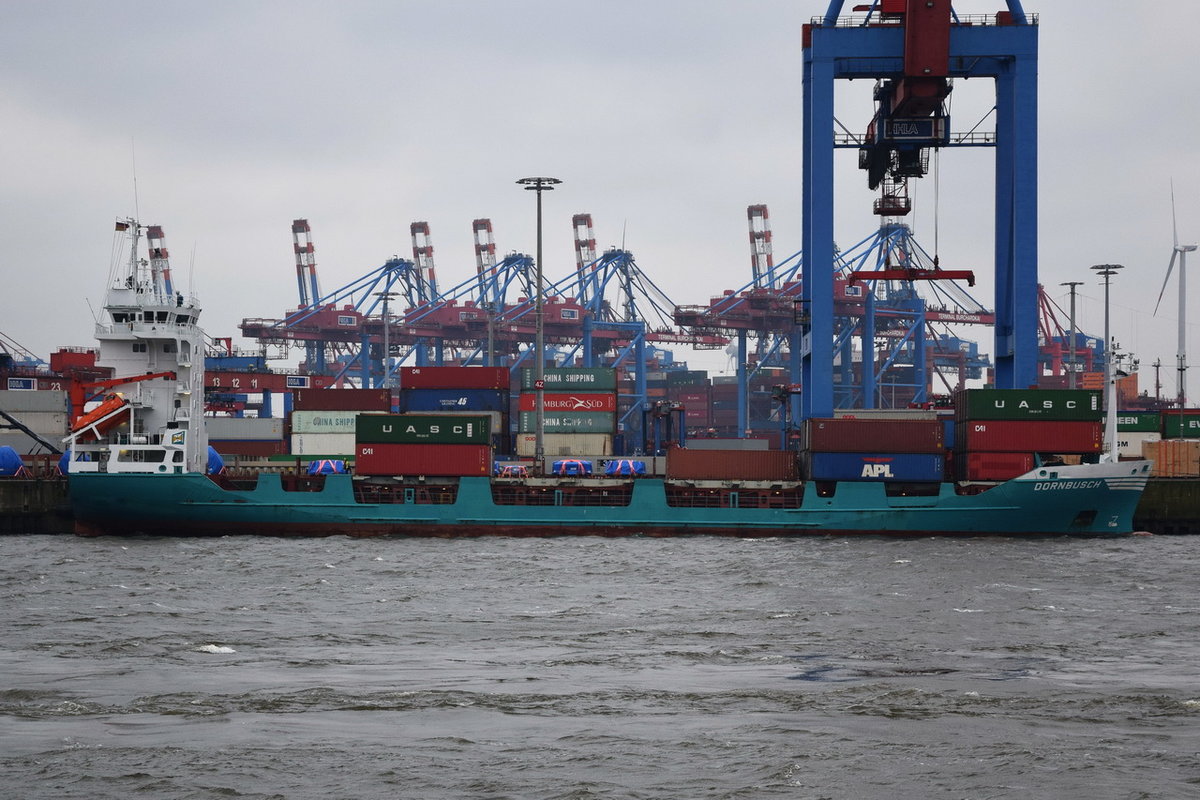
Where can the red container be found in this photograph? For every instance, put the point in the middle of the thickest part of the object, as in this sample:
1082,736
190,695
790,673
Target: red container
569,402
992,466
1023,436
249,448
731,465
342,400
849,435
454,378
434,460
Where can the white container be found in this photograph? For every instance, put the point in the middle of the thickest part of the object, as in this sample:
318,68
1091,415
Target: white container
242,429
565,444
324,421
15,402
1129,443
323,444
50,424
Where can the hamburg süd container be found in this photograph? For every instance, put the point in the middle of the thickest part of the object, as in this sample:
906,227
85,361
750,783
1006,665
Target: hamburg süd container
992,466
569,402
1028,404
422,429
852,435
1016,436
906,467
436,460
342,400
454,378
731,465
572,379
423,400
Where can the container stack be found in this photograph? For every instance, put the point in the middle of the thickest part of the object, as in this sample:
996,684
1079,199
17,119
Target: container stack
322,421
1177,455
460,391
42,411
999,432
423,445
579,412
1135,429
249,437
900,448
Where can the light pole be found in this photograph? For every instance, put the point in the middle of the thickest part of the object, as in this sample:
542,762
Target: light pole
387,345
539,185
1110,378
1071,343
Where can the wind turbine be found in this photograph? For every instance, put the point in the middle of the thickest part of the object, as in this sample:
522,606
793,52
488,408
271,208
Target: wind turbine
1180,250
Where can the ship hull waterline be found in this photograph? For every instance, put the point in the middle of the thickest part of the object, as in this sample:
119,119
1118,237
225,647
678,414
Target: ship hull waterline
1086,500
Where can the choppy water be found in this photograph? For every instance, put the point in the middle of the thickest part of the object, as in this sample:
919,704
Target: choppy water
599,668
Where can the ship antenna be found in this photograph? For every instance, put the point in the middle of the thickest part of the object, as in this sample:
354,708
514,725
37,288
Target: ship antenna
137,212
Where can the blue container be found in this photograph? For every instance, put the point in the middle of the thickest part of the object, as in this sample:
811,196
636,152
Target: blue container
422,400
903,467
947,432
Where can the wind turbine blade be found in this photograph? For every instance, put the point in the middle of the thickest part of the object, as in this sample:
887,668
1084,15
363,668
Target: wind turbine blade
1174,230
1170,266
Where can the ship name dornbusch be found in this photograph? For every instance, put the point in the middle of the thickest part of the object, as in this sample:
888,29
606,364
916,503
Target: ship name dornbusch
1052,485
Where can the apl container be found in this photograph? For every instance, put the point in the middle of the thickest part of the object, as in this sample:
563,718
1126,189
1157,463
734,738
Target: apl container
851,435
495,378
434,460
1028,404
1181,424
422,429
421,400
904,467
1014,436
569,402
572,379
342,400
731,465
992,466
560,422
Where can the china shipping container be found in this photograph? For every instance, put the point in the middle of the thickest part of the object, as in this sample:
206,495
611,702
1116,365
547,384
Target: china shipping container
572,379
342,400
1016,436
850,435
906,467
731,465
432,460
420,400
566,444
323,421
1028,404
422,429
495,378
1139,421
991,466
323,444
569,402
560,422
1181,423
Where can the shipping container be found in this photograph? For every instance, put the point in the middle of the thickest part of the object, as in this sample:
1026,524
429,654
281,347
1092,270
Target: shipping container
906,467
1174,458
992,466
248,448
495,378
430,460
851,435
422,400
687,377
342,400
1131,443
1139,421
323,444
885,413
565,444
245,428
15,402
572,379
559,422
555,401
422,429
324,421
731,465
1028,404
1016,436
702,443
49,424
1181,423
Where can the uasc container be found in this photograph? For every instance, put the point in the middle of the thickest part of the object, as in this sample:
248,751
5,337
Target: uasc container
1028,404
433,460
422,429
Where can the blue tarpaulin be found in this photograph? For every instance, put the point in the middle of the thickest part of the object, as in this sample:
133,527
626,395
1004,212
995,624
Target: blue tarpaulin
624,466
11,465
509,470
216,464
572,466
326,466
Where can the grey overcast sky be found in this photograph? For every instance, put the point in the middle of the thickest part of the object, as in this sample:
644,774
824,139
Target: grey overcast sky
664,119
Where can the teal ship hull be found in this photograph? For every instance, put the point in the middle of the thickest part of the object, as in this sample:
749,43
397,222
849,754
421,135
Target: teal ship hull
1087,499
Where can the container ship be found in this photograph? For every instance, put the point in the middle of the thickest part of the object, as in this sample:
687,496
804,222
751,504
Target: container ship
139,459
